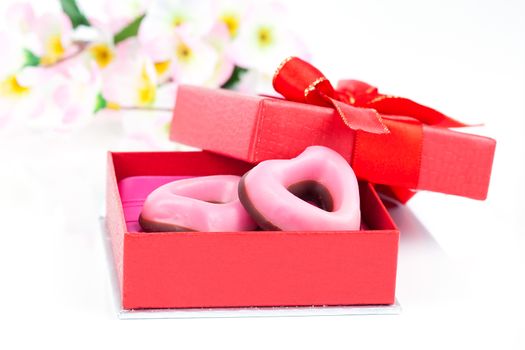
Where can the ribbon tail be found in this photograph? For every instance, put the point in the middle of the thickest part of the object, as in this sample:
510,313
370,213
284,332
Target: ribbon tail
400,194
402,106
365,119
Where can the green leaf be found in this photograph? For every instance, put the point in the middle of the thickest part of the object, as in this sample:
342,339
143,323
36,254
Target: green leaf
129,31
76,16
235,78
30,59
100,103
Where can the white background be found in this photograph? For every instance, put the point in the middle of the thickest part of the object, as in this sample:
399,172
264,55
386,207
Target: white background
461,266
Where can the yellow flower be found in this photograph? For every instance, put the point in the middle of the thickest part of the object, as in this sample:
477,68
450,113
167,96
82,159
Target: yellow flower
162,67
232,21
53,50
11,87
146,89
183,52
178,20
264,36
102,54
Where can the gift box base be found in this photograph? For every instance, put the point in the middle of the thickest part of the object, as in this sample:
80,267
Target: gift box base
293,311
186,270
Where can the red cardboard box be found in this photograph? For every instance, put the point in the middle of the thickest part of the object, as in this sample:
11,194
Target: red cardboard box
235,269
256,128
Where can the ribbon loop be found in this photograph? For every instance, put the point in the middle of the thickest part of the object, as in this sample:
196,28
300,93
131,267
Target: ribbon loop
361,94
299,81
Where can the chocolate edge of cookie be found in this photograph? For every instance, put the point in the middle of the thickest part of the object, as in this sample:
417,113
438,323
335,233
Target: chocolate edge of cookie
154,226
264,223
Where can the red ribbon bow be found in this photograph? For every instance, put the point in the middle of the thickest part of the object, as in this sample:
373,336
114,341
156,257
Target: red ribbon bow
383,123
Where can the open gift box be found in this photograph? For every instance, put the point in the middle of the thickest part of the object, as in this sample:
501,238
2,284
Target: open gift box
244,269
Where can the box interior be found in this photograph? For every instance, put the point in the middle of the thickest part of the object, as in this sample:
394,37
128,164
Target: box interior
139,168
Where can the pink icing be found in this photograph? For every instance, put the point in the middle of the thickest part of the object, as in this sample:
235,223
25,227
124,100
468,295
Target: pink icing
209,204
266,188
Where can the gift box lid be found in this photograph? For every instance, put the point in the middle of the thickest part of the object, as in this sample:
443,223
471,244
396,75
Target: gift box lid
257,128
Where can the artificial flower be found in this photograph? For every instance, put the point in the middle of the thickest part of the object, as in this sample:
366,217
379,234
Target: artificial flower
164,16
150,128
264,39
184,58
220,39
231,15
131,79
53,31
73,96
98,44
173,35
194,61
16,85
54,76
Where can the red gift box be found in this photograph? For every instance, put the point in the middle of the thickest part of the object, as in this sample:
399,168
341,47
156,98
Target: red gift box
413,155
258,268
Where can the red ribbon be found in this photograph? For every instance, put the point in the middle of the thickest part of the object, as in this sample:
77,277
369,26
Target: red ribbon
388,128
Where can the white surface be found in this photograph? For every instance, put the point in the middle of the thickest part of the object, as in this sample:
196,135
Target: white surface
461,265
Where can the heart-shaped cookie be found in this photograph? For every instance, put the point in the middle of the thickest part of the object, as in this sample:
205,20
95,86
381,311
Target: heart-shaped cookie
317,190
208,204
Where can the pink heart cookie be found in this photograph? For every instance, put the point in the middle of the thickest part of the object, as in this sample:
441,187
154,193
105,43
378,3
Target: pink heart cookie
208,203
317,190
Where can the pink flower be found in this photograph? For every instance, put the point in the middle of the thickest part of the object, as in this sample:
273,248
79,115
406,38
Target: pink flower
73,95
55,97
150,129
180,39
165,16
130,80
21,97
53,31
194,61
220,39
264,39
231,15
98,45
16,85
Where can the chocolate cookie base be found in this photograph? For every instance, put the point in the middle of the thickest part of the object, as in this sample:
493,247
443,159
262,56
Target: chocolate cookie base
310,191
155,226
